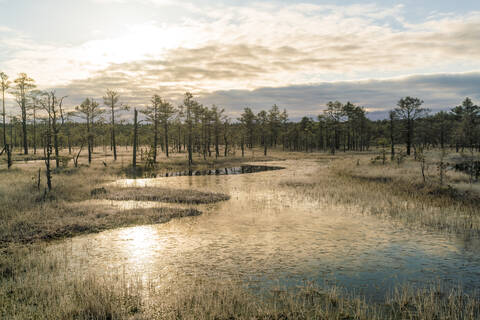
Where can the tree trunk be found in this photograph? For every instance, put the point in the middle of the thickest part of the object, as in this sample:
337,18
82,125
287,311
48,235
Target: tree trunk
155,136
34,133
114,144
392,138
89,139
243,147
55,145
165,128
9,155
409,137
135,133
24,127
4,123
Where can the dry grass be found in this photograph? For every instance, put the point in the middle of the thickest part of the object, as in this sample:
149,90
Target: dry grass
164,195
27,215
36,283
397,192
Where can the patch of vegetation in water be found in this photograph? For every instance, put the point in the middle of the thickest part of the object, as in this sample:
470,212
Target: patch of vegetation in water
163,195
82,220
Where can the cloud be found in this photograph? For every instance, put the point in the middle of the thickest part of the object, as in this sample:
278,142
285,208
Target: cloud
292,44
440,92
225,52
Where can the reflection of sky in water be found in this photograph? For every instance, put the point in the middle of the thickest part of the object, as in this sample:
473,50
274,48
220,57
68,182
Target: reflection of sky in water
273,235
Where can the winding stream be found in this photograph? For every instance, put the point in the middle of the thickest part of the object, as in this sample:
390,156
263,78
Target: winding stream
272,235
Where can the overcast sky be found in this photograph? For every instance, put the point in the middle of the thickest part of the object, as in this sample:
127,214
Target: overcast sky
297,54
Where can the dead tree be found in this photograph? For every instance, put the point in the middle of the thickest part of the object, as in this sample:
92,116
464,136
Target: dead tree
75,159
56,120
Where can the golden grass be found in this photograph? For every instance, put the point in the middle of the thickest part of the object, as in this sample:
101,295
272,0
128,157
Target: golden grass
36,283
394,191
163,195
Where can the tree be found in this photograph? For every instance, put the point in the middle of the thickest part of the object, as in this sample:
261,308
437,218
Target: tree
152,114
5,85
392,117
334,115
226,125
135,140
111,101
166,112
409,109
306,127
284,123
54,108
217,115
89,110
274,124
248,119
35,98
23,84
467,116
189,105
262,121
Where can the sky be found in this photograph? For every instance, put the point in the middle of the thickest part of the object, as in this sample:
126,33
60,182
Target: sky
296,54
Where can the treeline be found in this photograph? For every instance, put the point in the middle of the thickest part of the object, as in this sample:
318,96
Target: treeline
192,128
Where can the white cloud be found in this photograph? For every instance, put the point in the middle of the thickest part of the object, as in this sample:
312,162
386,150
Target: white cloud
250,47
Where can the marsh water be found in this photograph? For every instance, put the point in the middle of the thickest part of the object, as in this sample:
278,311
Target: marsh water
222,171
269,234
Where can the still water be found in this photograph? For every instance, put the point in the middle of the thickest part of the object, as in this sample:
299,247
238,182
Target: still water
223,171
269,234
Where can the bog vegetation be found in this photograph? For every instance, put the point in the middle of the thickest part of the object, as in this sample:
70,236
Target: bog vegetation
416,166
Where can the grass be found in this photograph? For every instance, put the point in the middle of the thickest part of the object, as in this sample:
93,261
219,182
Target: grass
27,216
164,195
37,282
396,192
39,285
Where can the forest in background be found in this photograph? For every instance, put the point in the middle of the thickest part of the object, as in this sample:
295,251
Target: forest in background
45,127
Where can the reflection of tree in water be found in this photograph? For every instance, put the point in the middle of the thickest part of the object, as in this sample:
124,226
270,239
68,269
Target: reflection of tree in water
223,171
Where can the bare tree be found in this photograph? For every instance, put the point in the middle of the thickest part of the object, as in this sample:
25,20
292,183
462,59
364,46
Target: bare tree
23,84
53,106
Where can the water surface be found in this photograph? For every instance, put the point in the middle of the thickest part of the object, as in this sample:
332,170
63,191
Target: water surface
269,234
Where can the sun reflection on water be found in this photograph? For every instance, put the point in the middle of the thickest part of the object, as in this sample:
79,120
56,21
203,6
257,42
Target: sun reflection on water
139,246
